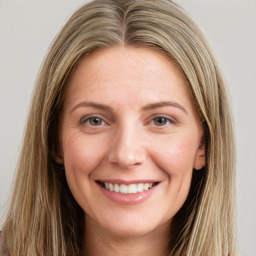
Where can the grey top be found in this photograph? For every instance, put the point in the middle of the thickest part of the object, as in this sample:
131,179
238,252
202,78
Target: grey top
3,249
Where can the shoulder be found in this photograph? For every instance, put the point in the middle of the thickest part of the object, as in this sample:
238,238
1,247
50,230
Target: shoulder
3,250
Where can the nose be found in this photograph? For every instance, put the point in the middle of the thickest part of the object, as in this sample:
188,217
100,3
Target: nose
127,149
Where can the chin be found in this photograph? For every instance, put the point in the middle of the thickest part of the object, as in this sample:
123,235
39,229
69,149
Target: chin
130,226
128,232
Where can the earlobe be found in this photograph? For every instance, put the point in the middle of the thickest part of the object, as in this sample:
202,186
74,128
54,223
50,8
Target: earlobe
58,158
58,153
200,160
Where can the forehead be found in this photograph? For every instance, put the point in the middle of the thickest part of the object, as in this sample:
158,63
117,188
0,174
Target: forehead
130,73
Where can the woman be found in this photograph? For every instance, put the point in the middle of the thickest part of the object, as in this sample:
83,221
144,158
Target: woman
129,146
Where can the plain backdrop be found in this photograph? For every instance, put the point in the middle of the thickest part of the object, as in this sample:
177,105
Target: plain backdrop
28,27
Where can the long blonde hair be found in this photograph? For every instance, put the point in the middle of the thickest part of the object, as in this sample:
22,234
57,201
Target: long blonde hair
43,217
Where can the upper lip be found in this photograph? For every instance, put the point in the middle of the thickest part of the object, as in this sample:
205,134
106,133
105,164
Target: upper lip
127,182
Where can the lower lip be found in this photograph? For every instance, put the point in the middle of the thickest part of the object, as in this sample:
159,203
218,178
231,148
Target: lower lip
128,199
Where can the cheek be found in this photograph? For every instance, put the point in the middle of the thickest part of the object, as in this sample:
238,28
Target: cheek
82,154
176,155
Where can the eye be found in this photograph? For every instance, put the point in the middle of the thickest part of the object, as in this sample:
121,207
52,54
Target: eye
161,121
94,121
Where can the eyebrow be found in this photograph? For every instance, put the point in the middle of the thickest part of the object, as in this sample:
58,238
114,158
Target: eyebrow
93,105
145,108
164,104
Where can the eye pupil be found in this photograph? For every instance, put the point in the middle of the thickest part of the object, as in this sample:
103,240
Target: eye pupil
160,121
95,121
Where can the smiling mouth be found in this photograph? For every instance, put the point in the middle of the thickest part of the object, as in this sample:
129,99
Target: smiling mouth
127,189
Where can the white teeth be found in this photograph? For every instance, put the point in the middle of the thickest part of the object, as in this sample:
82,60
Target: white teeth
146,186
140,187
116,188
123,189
128,189
110,187
132,188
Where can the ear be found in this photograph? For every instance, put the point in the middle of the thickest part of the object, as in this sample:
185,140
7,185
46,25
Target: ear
58,153
200,159
58,159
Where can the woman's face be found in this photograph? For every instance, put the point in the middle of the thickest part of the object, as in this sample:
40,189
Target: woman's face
130,138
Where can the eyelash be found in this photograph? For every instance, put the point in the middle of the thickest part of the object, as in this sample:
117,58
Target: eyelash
167,121
86,120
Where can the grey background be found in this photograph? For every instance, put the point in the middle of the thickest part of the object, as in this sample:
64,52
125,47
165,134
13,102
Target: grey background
28,27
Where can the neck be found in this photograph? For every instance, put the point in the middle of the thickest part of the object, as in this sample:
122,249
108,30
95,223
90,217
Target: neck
99,241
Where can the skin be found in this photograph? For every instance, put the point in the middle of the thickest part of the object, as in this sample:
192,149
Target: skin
135,137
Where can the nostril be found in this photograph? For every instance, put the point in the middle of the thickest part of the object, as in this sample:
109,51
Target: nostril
127,149
125,160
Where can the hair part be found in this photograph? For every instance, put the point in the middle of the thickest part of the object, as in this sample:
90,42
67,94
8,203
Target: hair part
44,218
